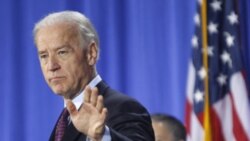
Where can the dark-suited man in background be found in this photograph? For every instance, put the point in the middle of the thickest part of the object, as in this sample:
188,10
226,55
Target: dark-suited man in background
68,48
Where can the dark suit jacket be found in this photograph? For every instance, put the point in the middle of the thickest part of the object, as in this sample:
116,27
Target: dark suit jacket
127,119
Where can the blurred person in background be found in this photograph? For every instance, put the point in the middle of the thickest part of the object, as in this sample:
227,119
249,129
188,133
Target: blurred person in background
168,128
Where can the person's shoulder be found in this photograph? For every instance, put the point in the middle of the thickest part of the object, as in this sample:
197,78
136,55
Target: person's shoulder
117,96
121,101
116,100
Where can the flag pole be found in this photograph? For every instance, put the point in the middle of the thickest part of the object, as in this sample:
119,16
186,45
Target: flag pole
206,122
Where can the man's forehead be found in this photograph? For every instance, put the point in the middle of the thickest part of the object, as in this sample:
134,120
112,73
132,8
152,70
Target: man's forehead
57,36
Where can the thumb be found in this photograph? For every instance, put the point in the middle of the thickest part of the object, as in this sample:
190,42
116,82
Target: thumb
71,108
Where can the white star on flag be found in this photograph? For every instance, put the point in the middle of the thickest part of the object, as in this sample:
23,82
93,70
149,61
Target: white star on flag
229,39
202,73
195,41
222,79
197,19
216,5
225,57
198,96
233,18
212,28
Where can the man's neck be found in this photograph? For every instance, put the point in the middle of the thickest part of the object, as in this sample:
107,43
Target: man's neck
78,100
84,83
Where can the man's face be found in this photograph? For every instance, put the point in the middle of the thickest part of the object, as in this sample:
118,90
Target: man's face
161,132
62,60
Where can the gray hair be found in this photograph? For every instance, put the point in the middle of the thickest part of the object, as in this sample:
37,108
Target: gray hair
86,29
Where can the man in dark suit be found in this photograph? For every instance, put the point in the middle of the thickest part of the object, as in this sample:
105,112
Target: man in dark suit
68,48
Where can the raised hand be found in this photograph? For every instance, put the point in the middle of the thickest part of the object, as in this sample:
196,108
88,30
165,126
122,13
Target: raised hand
90,119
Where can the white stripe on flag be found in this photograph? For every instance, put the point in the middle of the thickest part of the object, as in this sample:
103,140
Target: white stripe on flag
223,110
196,130
190,82
239,94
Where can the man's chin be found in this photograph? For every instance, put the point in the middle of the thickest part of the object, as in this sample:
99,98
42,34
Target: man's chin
63,93
60,92
58,88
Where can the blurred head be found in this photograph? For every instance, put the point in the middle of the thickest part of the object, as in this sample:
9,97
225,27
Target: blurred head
168,128
68,50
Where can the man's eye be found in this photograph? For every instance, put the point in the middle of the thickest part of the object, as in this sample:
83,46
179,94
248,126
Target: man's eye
62,52
43,56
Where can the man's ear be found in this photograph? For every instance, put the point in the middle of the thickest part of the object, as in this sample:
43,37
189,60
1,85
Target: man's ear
92,53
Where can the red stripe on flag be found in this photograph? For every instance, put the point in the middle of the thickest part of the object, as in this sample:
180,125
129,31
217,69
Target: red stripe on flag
188,110
216,127
217,134
239,132
200,117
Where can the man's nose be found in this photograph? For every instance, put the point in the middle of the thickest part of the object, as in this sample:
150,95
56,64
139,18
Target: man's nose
53,64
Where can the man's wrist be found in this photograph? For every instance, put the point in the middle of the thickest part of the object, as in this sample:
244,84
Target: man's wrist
98,134
105,136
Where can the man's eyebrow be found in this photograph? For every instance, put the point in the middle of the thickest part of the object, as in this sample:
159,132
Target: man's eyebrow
63,46
41,52
57,48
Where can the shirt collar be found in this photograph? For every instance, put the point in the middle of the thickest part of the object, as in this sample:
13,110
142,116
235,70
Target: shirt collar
79,99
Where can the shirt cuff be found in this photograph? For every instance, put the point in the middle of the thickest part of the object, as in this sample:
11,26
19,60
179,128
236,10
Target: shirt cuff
106,135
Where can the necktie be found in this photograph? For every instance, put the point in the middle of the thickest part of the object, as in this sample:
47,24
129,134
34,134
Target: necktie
61,125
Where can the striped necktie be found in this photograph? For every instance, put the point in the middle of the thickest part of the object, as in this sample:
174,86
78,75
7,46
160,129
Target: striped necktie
61,125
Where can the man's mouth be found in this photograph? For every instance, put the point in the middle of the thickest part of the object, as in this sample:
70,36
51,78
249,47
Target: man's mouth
56,79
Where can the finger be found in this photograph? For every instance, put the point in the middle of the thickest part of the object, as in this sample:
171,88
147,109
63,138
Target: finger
87,93
104,114
100,129
99,104
71,108
93,96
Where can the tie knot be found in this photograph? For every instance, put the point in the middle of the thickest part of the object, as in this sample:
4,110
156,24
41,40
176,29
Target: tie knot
65,113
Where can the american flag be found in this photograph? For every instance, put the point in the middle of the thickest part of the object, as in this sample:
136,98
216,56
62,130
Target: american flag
217,107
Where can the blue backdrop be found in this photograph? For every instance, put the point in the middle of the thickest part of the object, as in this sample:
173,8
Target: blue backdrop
145,47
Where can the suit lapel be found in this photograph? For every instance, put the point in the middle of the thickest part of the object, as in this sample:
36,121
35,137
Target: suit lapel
102,86
71,134
52,135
